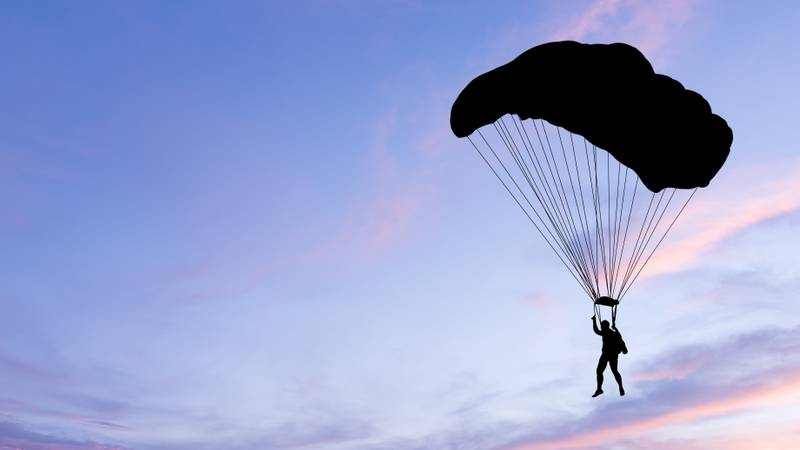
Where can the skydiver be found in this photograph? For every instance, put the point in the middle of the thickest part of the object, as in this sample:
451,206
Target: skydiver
613,345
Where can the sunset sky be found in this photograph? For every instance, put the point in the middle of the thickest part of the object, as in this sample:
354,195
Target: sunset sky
246,225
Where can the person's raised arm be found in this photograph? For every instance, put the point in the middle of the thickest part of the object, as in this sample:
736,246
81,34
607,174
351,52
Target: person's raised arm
594,325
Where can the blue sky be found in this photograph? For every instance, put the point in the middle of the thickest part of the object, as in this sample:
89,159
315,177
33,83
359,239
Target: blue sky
246,225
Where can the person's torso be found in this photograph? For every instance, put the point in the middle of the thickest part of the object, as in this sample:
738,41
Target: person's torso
611,342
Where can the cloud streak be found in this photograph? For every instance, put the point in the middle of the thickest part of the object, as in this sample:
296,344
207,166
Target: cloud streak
784,392
650,26
15,437
745,198
748,373
13,408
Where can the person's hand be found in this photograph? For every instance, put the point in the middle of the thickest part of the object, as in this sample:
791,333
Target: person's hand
593,318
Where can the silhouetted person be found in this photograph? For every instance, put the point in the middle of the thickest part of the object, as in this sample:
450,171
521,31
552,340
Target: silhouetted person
613,345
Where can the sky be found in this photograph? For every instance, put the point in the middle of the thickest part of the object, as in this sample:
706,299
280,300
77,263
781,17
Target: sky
247,225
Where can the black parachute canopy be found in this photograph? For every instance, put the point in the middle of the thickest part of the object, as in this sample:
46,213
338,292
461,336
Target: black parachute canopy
609,94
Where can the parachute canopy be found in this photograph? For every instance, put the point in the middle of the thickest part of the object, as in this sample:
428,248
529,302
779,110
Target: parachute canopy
609,94
555,108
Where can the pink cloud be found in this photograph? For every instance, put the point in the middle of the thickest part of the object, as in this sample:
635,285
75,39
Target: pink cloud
672,373
16,437
378,221
744,198
590,21
786,391
25,444
386,217
544,304
650,26
367,232
13,408
782,438
389,221
9,362
716,385
772,438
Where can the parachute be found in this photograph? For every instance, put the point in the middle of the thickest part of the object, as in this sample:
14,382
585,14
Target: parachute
572,130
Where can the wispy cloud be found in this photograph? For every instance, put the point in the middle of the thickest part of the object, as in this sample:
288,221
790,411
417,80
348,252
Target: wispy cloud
773,438
650,26
378,219
12,363
543,303
388,209
762,396
16,437
746,197
387,221
303,432
13,408
742,374
719,383
675,372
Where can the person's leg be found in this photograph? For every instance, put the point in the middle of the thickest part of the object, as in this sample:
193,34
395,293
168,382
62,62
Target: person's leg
601,367
617,376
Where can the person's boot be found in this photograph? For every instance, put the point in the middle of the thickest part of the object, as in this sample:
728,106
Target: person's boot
597,392
621,390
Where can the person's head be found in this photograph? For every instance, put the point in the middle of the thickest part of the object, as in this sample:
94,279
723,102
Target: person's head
604,324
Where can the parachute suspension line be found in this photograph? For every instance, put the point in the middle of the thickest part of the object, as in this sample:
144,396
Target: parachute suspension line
627,223
567,232
611,220
647,236
655,226
558,206
640,243
577,252
609,244
602,256
630,215
510,192
617,215
593,189
591,212
562,205
505,185
542,179
584,218
599,231
558,185
651,231
578,232
556,226
552,211
516,154
593,236
614,227
618,224
638,238
580,211
622,293
540,172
